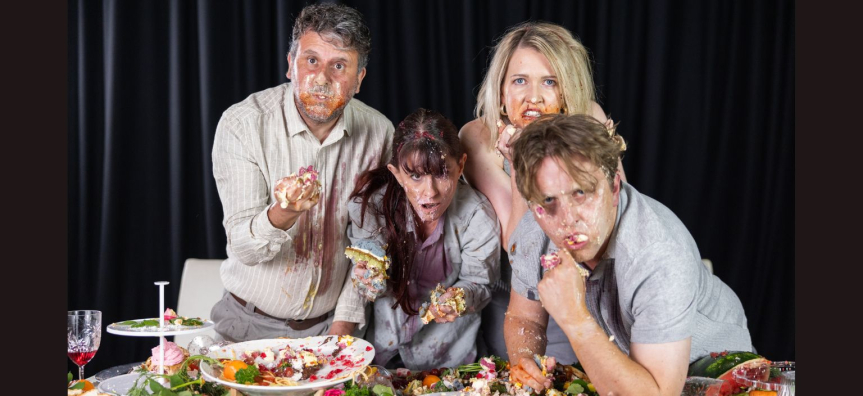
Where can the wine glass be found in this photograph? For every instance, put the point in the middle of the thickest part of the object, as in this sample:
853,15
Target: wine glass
83,334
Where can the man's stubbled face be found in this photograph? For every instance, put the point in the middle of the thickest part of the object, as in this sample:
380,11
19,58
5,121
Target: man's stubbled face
576,217
325,78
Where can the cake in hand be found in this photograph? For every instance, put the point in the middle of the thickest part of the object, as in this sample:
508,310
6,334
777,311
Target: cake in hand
551,260
304,177
377,263
456,302
175,355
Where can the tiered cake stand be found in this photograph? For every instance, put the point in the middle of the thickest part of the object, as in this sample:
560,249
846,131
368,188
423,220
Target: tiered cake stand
161,332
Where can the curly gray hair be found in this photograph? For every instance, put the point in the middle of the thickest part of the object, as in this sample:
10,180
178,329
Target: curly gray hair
335,23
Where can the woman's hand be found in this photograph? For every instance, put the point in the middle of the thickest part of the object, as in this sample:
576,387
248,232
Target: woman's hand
444,313
370,285
506,135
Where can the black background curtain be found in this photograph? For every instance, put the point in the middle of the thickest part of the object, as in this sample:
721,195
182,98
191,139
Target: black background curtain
704,92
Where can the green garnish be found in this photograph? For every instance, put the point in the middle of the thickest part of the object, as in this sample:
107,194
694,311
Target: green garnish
181,383
146,323
382,390
574,389
775,372
247,375
192,322
351,389
498,387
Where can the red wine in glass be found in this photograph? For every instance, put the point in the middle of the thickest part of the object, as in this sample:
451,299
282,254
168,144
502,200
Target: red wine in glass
81,358
83,334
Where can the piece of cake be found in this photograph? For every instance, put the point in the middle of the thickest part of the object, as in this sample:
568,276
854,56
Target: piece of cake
546,364
549,261
457,302
377,263
304,177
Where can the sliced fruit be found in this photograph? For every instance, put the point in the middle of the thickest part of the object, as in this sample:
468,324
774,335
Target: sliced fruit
721,365
430,380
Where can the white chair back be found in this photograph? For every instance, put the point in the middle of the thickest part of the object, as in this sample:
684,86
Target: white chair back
708,264
200,288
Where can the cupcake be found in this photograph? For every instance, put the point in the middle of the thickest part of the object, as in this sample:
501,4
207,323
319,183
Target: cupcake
175,355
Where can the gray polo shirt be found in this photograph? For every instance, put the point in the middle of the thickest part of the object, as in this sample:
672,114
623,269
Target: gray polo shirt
651,285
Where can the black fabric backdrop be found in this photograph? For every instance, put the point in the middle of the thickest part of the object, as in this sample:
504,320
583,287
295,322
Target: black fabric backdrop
704,92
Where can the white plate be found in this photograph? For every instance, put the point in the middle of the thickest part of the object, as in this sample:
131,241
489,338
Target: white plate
360,352
127,330
119,385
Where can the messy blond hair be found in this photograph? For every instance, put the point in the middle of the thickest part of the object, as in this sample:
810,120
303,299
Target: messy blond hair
564,138
569,60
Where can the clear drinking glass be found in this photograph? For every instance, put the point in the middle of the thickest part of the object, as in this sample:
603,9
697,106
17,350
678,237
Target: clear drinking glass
83,334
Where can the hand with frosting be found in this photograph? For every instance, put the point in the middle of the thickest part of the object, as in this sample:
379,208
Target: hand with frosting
369,283
445,305
506,135
298,192
528,373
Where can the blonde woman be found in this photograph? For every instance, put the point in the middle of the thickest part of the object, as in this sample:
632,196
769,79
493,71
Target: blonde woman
536,68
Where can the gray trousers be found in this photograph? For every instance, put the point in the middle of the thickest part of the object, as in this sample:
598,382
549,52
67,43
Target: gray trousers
238,323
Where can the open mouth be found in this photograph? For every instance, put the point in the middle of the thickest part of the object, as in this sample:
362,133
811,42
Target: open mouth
531,113
430,206
575,240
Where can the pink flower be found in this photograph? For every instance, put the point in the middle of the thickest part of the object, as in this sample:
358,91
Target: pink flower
334,392
169,314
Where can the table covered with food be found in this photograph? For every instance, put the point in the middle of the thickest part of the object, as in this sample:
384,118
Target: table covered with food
341,366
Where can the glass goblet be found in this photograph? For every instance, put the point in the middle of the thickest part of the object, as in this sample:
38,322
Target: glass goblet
83,335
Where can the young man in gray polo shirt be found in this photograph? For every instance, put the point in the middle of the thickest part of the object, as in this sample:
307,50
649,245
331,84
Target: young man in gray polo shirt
640,305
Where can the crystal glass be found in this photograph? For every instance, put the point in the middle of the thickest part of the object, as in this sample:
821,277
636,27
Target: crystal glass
83,334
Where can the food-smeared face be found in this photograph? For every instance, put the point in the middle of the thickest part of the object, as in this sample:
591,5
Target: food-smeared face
429,191
530,87
576,216
325,77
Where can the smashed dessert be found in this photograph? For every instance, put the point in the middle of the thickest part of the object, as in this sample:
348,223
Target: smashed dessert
551,260
456,302
376,262
305,177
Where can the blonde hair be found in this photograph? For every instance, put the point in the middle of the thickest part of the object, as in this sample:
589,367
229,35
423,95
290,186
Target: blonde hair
569,60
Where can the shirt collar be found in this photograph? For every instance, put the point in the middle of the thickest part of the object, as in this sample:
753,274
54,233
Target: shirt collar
435,235
295,123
